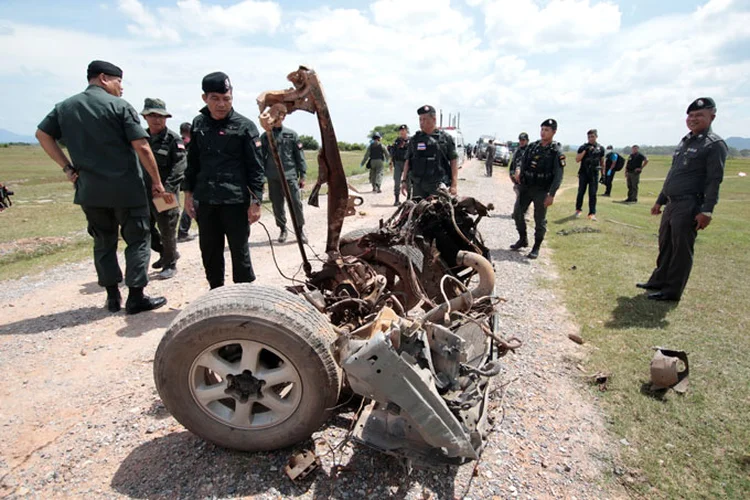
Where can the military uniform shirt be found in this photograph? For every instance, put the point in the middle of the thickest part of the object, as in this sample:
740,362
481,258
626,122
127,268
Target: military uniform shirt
697,169
421,143
290,151
224,160
400,149
97,128
171,158
635,161
517,160
543,166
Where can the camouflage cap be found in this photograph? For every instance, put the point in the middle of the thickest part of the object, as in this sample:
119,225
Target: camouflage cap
523,136
155,106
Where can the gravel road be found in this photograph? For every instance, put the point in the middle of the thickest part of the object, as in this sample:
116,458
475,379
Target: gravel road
79,416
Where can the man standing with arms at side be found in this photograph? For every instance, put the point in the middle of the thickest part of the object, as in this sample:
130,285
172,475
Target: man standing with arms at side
591,157
293,160
377,155
225,175
490,158
539,178
517,160
183,232
105,140
171,157
431,160
400,149
636,163
690,193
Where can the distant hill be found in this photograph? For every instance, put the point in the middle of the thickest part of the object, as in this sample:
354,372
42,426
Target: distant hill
8,136
738,142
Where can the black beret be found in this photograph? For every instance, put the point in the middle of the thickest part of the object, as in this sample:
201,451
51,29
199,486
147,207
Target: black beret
426,109
549,122
216,82
98,67
701,103
403,127
523,136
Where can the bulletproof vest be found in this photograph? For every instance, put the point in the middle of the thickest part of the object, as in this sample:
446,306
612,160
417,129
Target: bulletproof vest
376,151
592,157
539,165
518,156
426,163
400,149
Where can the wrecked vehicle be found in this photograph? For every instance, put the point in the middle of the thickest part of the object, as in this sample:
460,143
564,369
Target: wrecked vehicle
402,315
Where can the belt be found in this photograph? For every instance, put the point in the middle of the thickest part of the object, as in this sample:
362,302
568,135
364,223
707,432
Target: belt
683,197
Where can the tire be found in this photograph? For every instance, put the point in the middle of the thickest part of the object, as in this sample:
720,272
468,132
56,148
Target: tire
206,366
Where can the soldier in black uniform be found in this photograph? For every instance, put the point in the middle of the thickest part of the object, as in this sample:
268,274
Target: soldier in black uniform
517,160
105,140
591,157
400,148
635,165
431,160
225,175
540,176
690,193
293,160
171,157
183,231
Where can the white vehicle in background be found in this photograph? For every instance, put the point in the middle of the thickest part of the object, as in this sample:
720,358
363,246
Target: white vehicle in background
458,139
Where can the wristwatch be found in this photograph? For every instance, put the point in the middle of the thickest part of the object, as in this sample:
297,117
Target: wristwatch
70,169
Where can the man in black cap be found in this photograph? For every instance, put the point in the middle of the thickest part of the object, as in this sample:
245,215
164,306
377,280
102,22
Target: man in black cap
516,161
105,140
690,193
377,156
591,157
431,158
225,175
183,231
490,158
633,168
295,169
400,149
540,176
171,157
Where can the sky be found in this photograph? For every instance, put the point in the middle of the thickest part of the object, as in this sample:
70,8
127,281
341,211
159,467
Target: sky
628,68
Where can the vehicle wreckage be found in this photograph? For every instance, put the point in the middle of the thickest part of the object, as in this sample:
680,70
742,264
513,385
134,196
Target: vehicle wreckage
402,315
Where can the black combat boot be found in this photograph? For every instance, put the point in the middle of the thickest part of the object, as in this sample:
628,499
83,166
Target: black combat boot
396,202
523,242
535,249
283,236
137,302
114,299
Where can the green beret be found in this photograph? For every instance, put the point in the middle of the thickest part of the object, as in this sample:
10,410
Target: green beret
701,103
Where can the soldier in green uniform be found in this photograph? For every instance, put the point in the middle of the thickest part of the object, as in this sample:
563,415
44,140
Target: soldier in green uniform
171,157
517,160
690,193
293,160
377,156
637,161
400,148
539,178
105,141
225,175
489,160
431,159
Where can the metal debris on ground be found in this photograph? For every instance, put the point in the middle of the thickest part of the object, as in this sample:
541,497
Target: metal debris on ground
575,338
579,230
301,465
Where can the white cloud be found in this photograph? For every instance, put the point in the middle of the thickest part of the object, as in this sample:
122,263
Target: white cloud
556,25
146,23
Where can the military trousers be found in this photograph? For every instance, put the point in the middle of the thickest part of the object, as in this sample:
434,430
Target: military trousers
276,193
133,224
376,173
185,222
633,180
424,187
587,180
488,167
398,172
526,196
216,223
166,223
677,234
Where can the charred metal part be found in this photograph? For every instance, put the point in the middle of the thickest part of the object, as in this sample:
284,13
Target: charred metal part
307,95
301,465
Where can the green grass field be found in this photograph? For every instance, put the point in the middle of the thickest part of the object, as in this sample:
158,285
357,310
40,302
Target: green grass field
696,445
44,228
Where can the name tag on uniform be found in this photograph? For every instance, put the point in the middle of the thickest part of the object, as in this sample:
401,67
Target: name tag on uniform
421,146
